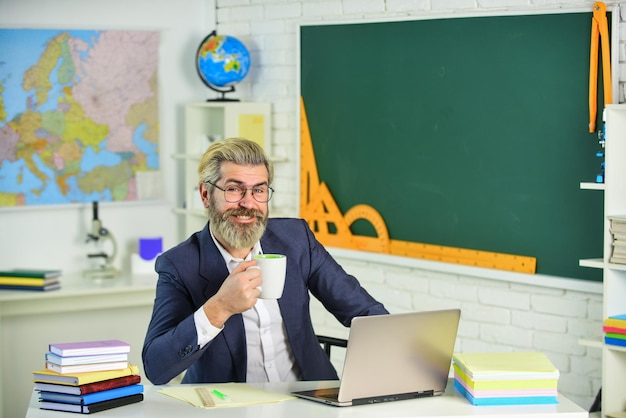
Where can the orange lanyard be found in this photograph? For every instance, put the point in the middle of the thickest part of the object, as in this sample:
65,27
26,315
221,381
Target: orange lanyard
599,29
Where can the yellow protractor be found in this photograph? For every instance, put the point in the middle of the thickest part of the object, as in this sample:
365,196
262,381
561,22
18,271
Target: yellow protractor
381,241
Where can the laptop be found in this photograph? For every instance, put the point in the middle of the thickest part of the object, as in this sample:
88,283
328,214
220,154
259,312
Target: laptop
394,357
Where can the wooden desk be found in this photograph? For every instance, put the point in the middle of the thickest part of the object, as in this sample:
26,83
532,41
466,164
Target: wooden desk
451,405
80,310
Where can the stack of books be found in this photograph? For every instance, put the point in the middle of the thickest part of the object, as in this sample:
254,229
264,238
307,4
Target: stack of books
615,330
617,227
511,378
88,377
30,279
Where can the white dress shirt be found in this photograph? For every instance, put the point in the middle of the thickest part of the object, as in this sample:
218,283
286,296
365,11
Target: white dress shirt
269,354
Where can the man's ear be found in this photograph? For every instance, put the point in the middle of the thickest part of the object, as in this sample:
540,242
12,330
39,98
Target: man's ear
205,195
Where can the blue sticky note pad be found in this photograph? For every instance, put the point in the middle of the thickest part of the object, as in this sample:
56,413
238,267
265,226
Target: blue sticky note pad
149,248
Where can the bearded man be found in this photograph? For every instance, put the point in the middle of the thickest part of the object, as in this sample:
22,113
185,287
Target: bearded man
208,320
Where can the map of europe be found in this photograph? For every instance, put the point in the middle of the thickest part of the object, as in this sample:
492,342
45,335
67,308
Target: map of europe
78,116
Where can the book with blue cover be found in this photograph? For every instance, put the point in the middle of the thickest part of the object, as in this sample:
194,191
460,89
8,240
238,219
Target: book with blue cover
91,398
615,341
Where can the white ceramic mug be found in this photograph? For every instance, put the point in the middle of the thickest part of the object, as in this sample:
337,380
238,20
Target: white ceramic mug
273,270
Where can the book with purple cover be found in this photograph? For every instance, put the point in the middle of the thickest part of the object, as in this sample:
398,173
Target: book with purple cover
89,387
85,348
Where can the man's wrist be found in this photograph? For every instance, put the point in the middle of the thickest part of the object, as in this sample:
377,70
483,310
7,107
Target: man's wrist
216,315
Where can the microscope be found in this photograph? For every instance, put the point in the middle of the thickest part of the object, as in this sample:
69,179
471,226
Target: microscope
102,262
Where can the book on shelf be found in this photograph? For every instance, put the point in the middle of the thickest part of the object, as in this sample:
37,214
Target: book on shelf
617,260
618,236
76,360
82,368
617,219
26,281
89,387
616,335
618,241
613,330
30,273
95,407
617,224
85,348
91,398
614,341
618,321
618,254
76,379
44,288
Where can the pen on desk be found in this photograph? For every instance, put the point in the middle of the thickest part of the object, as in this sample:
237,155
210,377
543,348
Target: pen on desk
220,394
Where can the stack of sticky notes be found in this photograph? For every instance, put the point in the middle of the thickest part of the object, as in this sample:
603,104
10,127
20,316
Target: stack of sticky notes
508,378
87,377
615,330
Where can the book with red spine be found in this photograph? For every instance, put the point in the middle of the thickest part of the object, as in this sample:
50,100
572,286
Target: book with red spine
89,387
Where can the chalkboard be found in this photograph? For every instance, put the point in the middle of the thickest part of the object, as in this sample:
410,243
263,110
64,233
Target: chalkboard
469,132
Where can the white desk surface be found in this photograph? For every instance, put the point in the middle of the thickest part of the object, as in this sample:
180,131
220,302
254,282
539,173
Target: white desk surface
451,404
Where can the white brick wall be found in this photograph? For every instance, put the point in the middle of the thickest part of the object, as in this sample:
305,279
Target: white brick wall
497,313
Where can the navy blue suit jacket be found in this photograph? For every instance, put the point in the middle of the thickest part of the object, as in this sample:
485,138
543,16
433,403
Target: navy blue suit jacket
194,270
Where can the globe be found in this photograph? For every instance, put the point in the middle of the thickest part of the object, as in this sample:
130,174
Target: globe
222,61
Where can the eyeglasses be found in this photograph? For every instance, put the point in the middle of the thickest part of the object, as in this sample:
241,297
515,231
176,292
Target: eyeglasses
233,193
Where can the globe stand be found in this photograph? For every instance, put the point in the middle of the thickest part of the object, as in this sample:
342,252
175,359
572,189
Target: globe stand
223,92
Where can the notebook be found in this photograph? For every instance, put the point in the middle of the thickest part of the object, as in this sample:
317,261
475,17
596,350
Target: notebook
394,357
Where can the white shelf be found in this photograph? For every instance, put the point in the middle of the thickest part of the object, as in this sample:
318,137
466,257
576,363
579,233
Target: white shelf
614,275
206,122
615,348
596,263
592,186
591,343
600,344
615,266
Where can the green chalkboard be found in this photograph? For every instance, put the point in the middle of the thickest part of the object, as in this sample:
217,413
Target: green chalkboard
464,132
